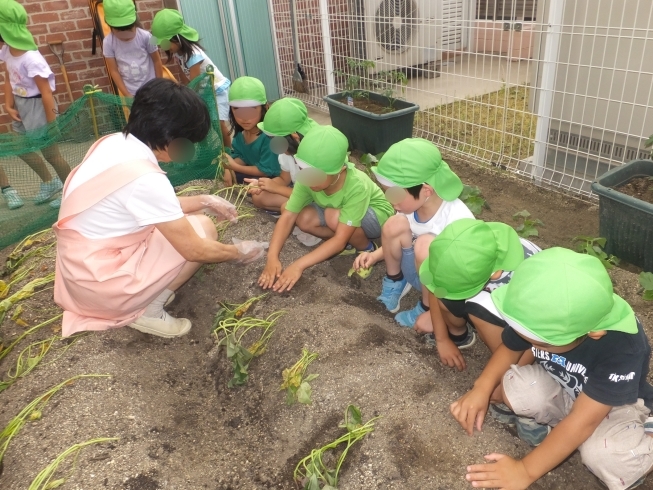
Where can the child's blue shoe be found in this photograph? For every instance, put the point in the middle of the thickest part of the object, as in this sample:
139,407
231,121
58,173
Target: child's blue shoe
527,429
409,317
392,292
47,190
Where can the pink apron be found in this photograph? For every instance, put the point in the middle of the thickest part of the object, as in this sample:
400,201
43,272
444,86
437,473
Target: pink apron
107,283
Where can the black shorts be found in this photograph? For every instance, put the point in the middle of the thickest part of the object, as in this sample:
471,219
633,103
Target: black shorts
463,309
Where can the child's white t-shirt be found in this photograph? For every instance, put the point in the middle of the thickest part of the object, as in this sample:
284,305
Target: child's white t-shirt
22,70
148,200
199,56
134,58
289,164
448,212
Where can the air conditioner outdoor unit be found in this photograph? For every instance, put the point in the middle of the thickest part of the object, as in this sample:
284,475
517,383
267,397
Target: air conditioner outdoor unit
402,33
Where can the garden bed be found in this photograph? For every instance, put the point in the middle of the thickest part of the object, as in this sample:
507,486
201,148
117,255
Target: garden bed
181,427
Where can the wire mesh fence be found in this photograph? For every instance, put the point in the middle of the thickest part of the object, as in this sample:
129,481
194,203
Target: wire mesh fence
556,91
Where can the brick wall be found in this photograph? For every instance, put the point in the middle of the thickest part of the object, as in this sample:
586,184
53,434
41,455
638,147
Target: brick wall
70,21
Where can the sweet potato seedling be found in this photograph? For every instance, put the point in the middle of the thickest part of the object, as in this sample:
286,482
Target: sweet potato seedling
33,411
234,310
25,292
472,198
296,385
6,350
26,249
594,247
44,481
646,281
527,226
231,332
312,473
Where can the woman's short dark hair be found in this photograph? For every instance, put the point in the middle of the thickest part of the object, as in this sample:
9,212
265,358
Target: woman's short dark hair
163,111
237,128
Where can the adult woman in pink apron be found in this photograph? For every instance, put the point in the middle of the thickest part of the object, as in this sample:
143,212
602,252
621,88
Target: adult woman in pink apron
125,241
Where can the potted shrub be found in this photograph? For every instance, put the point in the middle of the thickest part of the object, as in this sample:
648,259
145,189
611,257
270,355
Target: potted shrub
368,111
626,211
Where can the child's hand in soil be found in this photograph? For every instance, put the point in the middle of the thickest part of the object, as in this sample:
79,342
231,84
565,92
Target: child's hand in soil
470,409
364,260
270,274
288,278
505,474
450,355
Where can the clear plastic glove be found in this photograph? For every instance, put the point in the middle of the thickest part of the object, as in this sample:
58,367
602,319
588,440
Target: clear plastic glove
220,208
249,250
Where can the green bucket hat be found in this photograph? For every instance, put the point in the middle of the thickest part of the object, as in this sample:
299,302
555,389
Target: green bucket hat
464,256
324,148
168,23
286,116
119,13
247,92
13,26
558,295
415,161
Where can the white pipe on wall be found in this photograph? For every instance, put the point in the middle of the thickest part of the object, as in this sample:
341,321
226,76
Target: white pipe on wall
326,47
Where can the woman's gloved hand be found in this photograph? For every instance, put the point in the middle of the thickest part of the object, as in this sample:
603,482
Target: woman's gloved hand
249,250
220,208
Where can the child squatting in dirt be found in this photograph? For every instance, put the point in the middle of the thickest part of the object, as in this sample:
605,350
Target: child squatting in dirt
588,387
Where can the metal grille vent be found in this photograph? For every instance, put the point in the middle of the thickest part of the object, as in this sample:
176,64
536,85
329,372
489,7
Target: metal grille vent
396,22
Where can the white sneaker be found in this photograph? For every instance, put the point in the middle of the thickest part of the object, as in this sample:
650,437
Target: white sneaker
168,326
12,198
305,238
47,190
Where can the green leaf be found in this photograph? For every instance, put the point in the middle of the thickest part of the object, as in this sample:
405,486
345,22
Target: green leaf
521,214
310,377
330,477
304,393
600,242
328,487
646,280
55,484
379,156
648,295
312,483
649,142
368,159
290,397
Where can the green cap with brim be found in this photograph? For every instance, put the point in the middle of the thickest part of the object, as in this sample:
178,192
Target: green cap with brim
465,255
416,161
287,116
247,92
168,23
324,148
119,13
13,26
558,296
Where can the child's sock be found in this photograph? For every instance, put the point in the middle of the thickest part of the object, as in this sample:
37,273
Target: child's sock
424,307
396,277
458,338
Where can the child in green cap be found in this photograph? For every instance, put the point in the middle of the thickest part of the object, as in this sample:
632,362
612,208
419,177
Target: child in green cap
588,388
182,43
332,200
251,155
29,84
460,268
424,191
286,123
131,58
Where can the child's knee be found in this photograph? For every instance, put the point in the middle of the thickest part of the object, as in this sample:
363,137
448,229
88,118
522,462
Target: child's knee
421,246
208,227
395,226
331,217
259,200
307,218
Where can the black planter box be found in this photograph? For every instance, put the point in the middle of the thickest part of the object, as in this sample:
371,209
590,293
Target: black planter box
368,132
626,222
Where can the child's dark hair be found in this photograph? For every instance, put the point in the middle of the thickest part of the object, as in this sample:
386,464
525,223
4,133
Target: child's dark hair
1,40
293,145
415,190
163,111
185,47
237,128
126,28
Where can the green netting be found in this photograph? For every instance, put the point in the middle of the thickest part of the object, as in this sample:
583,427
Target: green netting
94,115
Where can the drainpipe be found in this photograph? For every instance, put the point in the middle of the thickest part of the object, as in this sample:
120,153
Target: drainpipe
547,87
326,47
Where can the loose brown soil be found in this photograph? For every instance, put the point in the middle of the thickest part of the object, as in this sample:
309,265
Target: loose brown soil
368,105
180,427
639,187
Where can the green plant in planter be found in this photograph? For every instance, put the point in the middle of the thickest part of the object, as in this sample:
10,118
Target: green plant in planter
356,78
387,82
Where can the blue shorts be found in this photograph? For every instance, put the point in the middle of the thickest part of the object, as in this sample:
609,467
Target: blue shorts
369,224
408,267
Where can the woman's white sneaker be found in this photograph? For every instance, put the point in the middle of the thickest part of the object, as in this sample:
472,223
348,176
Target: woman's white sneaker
168,326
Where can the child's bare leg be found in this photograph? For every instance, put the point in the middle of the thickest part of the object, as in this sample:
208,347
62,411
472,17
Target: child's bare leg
226,134
308,220
269,201
60,165
37,164
423,323
395,235
4,180
358,240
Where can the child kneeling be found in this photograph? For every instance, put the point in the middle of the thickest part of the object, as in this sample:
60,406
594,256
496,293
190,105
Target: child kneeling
332,200
588,389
